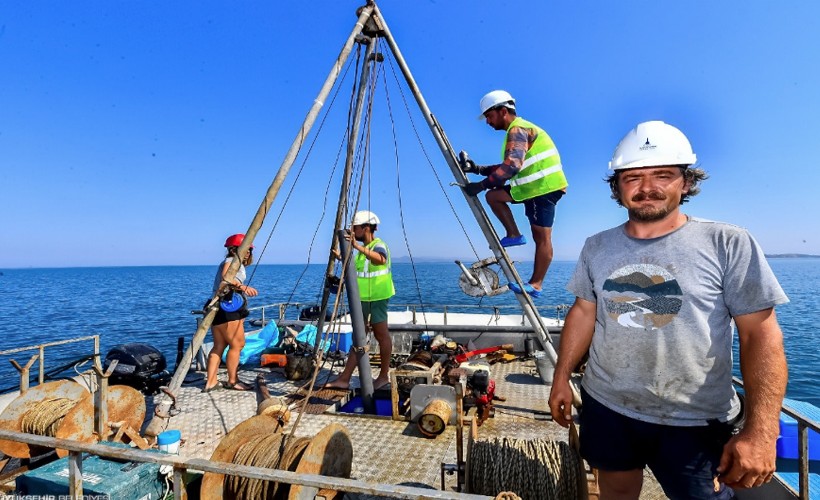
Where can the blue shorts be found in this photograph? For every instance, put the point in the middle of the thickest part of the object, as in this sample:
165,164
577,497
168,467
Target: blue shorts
540,211
683,459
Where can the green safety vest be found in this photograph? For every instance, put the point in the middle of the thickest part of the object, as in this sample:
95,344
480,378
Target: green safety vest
375,282
541,172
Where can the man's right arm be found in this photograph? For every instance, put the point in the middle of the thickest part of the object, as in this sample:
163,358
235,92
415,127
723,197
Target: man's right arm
517,146
576,337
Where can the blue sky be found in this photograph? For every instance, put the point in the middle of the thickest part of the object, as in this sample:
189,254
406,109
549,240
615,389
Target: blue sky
144,133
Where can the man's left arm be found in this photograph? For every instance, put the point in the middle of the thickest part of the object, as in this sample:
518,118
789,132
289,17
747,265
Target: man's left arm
749,457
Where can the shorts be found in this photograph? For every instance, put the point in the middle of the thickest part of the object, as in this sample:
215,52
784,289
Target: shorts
223,317
683,459
375,312
540,211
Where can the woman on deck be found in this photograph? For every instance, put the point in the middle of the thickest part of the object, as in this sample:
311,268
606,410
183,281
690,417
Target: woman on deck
228,327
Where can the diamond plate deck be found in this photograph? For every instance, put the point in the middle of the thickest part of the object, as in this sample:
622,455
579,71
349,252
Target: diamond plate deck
384,451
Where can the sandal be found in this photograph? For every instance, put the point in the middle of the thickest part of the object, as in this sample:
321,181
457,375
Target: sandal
217,387
513,241
237,386
531,291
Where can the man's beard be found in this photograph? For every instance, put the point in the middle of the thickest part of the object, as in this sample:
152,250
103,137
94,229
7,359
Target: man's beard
648,213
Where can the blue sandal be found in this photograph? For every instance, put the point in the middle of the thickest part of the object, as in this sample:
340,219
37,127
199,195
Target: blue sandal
513,242
531,291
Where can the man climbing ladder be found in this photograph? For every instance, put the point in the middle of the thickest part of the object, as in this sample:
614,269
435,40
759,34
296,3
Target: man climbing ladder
533,166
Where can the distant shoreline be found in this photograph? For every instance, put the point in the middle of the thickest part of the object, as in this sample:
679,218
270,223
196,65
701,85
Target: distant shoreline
791,256
399,260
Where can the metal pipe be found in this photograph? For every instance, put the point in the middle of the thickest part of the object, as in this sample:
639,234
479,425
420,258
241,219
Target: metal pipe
352,138
161,412
467,274
475,205
357,319
444,328
42,375
803,457
75,475
58,342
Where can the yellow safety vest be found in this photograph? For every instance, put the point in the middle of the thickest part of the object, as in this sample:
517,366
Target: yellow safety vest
375,282
541,172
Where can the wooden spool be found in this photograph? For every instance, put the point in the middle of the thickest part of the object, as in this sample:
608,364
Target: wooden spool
329,453
212,483
434,418
125,404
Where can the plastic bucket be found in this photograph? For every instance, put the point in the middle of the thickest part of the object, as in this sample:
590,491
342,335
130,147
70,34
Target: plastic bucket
544,366
168,441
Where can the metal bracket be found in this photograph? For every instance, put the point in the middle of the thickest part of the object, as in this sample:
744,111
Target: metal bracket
101,397
24,371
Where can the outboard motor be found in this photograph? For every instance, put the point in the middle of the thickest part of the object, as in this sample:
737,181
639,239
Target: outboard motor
140,366
312,313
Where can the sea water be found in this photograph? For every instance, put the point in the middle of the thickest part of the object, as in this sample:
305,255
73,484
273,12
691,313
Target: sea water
153,305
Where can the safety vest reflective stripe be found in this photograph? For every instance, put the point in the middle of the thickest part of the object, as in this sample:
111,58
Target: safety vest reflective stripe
373,274
536,175
378,283
541,171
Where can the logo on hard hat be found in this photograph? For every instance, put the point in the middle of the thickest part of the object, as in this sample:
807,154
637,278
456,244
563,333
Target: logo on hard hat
647,146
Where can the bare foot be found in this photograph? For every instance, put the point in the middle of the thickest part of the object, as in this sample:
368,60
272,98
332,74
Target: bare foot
379,383
337,384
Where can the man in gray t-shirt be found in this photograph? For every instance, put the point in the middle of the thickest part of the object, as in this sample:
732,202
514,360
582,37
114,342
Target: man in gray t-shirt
656,300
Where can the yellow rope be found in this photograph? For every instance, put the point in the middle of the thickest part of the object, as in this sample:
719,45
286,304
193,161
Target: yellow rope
45,417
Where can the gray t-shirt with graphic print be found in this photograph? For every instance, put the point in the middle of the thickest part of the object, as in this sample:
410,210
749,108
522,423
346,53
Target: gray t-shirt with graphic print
662,347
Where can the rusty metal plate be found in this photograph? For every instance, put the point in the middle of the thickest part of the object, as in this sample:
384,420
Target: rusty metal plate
11,418
78,424
126,404
330,453
213,483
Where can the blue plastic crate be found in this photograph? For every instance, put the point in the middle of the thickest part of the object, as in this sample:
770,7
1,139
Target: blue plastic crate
102,477
787,442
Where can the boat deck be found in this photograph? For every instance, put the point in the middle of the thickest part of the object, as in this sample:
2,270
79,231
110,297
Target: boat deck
384,451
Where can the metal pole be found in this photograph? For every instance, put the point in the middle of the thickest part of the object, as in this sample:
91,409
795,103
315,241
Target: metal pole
475,205
162,409
348,173
357,320
75,475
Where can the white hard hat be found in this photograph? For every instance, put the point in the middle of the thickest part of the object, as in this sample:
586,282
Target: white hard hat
493,99
365,217
652,144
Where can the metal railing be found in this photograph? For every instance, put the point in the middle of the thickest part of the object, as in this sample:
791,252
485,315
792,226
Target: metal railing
182,465
41,356
282,310
803,425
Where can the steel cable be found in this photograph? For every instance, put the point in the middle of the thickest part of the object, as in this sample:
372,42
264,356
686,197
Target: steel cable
532,469
270,452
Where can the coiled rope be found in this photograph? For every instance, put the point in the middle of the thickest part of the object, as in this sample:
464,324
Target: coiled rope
264,451
532,469
45,417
